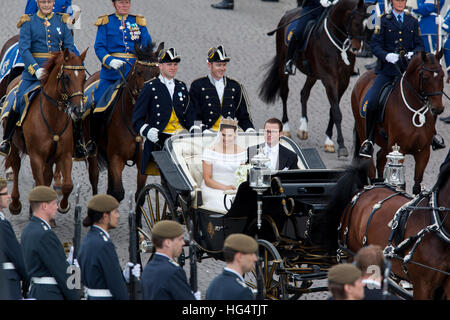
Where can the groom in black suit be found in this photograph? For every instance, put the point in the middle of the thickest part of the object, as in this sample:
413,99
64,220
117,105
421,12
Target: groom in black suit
281,157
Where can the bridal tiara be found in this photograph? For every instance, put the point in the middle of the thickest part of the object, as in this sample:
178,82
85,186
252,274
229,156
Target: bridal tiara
229,121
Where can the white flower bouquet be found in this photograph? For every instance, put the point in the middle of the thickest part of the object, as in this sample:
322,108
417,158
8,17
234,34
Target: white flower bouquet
242,174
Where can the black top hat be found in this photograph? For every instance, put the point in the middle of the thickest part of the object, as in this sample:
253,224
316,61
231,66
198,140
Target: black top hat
168,55
217,54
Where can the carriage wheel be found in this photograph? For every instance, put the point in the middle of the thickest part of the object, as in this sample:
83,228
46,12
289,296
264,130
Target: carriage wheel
271,263
153,205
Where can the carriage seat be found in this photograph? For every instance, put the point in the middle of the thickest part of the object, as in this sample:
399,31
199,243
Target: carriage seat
188,153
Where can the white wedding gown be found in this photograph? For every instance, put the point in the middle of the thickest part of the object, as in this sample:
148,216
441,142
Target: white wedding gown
224,167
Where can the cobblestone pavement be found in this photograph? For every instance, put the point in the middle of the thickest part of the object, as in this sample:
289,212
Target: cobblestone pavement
192,27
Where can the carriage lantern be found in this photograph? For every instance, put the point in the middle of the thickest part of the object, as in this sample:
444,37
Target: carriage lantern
394,171
259,180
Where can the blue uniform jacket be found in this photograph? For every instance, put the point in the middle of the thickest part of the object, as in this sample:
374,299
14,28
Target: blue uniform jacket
154,107
164,279
446,28
390,37
428,13
208,108
59,6
99,264
228,286
12,253
44,257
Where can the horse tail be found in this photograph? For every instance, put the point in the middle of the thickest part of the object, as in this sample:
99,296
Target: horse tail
102,159
324,225
271,84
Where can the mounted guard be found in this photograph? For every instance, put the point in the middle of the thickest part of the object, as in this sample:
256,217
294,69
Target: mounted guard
40,34
117,35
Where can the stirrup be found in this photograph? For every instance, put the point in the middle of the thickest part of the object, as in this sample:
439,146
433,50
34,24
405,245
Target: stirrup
289,68
367,144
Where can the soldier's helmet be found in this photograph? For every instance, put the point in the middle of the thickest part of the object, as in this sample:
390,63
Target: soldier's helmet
218,54
168,55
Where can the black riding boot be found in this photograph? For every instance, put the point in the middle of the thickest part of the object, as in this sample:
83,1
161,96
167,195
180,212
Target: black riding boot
79,150
225,4
94,130
367,146
292,48
10,127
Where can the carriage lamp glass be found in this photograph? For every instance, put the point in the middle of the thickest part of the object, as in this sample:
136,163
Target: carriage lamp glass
394,170
260,174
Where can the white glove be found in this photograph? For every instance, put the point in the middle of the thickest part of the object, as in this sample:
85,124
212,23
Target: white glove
116,64
40,73
152,135
250,130
392,57
409,55
198,295
136,271
126,271
327,3
75,263
70,256
207,131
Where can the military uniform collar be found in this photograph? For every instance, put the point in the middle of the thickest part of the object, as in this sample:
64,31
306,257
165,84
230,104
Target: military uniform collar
44,223
101,229
40,15
165,80
121,17
169,258
2,216
213,81
233,272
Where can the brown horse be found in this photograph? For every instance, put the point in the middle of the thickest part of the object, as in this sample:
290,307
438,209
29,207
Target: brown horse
409,119
119,143
419,244
15,71
330,54
46,132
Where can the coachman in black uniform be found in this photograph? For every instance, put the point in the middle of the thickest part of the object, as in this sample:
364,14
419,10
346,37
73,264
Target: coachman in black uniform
162,108
216,95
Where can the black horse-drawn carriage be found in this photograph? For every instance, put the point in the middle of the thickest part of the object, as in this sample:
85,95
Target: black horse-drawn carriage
290,256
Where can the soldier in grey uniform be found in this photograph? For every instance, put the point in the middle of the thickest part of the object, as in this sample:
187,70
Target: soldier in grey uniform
240,255
163,278
99,263
13,265
44,254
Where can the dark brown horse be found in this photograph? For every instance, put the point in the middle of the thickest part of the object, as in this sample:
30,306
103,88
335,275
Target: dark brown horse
46,133
409,119
420,247
119,143
330,54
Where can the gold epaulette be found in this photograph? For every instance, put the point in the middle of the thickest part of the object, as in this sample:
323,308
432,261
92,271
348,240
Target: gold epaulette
140,20
102,20
65,17
22,20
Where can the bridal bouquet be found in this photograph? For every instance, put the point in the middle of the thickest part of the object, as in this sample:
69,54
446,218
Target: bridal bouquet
242,174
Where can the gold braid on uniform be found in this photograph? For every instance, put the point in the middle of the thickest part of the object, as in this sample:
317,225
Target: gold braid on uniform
24,18
102,20
65,17
140,20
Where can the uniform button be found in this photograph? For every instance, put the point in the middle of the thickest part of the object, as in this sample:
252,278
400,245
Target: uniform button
232,89
209,104
157,122
229,112
400,39
399,32
157,105
210,120
159,114
231,105
207,97
156,97
153,89
203,89
210,112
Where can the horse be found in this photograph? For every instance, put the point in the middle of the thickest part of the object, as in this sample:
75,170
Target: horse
119,143
410,112
46,132
413,231
15,71
331,55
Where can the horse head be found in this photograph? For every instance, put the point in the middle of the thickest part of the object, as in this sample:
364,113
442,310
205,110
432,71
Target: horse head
426,75
66,76
355,21
146,65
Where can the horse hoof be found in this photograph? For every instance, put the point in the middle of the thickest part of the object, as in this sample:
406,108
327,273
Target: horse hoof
342,152
15,211
302,135
287,134
64,211
329,148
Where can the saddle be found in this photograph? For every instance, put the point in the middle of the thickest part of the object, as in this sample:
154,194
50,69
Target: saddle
385,92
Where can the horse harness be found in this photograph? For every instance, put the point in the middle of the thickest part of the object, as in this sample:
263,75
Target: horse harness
64,104
398,225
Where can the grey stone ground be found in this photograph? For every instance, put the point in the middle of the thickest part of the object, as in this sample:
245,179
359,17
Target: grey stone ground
192,27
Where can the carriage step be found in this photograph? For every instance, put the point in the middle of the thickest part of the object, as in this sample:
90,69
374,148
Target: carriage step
312,158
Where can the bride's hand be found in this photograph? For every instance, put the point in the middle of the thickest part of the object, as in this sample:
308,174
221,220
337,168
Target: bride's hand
230,187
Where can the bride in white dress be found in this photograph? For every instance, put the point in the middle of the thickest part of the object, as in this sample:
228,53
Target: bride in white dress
220,163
